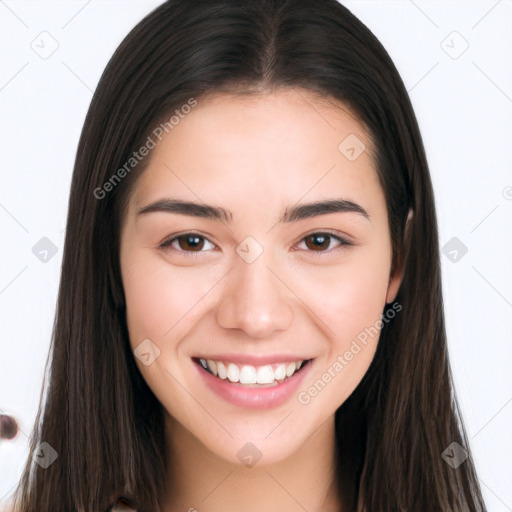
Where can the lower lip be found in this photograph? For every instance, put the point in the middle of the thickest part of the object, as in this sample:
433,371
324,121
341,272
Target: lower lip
255,398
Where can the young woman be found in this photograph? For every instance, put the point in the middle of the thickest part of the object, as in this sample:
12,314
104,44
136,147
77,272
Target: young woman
250,313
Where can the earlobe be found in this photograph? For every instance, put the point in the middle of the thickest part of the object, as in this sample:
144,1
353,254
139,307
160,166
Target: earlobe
395,280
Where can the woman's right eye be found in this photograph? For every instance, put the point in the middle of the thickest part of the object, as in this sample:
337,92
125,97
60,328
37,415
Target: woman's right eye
188,243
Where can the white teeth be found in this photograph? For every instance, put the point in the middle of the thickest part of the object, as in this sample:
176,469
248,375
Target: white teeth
247,375
290,369
280,372
233,372
265,375
212,366
221,369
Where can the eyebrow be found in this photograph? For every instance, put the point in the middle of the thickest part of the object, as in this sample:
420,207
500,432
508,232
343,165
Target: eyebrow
291,214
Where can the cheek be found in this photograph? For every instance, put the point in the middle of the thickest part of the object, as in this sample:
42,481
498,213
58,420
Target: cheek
348,297
350,300
358,303
160,299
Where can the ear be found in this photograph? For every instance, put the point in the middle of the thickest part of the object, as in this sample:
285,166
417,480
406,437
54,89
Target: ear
395,279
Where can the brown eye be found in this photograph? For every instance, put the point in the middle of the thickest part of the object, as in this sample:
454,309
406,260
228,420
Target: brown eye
318,241
321,242
190,242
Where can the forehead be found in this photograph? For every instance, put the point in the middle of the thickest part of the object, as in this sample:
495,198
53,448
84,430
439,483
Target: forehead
274,147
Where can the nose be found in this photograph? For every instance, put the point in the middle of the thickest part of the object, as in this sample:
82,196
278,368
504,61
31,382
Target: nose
254,300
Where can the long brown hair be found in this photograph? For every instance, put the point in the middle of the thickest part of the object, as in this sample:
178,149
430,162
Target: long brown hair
96,410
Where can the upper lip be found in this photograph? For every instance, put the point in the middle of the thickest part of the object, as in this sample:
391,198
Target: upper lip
254,360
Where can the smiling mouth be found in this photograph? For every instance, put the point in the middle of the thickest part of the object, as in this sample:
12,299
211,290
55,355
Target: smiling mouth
267,375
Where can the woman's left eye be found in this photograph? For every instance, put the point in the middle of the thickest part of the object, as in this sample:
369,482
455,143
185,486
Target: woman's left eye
321,242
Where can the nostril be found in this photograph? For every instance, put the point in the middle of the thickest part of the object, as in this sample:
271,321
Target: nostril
8,427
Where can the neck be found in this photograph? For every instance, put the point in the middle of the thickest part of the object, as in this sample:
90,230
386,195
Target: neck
200,481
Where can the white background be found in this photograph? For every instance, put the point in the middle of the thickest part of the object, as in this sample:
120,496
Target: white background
464,108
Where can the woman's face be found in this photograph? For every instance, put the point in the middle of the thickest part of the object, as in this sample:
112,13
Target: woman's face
257,238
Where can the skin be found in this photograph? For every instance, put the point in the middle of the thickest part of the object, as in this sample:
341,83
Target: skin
255,156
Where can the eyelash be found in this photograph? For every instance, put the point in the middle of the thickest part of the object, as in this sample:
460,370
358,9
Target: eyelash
342,243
